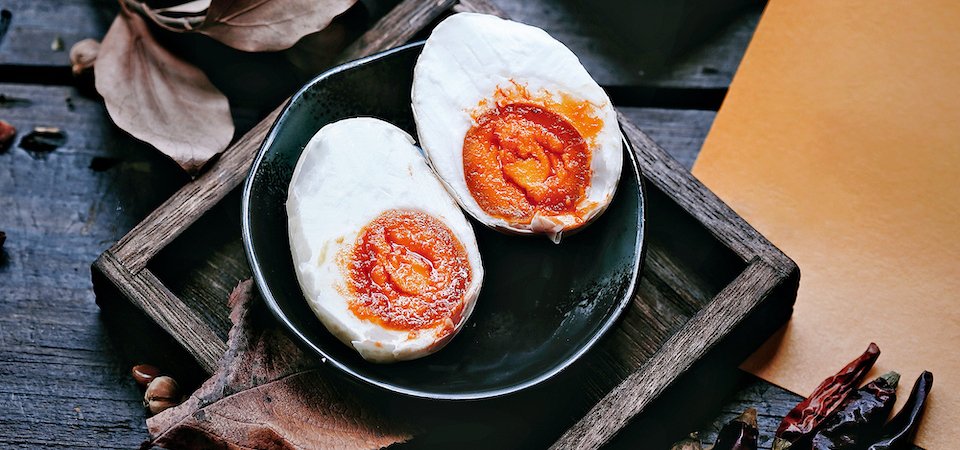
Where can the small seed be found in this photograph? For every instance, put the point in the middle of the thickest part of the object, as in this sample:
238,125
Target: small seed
143,374
162,393
82,56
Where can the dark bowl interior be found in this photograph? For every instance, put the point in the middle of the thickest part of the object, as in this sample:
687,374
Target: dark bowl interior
541,305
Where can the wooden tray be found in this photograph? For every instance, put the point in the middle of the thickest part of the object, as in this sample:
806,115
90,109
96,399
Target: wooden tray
712,289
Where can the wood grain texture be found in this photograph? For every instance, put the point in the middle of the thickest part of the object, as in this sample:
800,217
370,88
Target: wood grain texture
61,381
679,132
697,336
183,208
709,63
149,294
34,25
692,195
397,27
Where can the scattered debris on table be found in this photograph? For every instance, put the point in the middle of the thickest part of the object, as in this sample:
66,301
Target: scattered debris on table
43,140
162,393
143,374
6,100
7,132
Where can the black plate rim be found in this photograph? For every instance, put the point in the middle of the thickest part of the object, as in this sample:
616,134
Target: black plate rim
276,310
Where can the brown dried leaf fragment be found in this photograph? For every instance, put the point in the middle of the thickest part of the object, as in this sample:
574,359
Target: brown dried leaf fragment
268,25
268,393
249,25
159,98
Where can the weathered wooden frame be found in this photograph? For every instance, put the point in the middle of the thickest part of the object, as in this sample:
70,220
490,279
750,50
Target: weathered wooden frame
769,280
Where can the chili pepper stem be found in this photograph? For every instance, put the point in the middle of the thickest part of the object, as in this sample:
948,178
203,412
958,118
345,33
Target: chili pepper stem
892,378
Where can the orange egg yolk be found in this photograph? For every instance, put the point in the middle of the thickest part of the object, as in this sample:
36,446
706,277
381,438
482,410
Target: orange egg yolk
529,154
408,271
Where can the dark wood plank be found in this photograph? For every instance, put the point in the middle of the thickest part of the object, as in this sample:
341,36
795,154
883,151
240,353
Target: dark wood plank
710,63
693,196
34,25
679,132
697,336
608,55
61,380
149,294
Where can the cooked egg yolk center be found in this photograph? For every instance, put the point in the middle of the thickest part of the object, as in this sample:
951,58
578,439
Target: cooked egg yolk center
520,159
407,271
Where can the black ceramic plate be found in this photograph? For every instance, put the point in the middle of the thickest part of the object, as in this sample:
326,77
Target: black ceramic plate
541,305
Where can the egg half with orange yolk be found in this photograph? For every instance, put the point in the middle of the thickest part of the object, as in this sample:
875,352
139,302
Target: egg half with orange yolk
514,125
383,254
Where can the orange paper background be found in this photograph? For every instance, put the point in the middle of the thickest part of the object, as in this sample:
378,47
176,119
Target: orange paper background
840,141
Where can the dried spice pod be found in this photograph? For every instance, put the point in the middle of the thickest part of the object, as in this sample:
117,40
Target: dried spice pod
7,132
860,418
798,426
43,140
740,433
143,374
691,442
898,434
162,392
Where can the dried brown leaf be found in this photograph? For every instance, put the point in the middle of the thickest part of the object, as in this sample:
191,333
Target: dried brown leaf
268,393
160,98
249,25
268,25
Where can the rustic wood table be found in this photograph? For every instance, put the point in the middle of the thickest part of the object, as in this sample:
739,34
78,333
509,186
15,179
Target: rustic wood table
64,370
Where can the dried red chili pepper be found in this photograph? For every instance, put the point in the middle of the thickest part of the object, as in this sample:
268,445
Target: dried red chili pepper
798,426
859,420
898,434
740,433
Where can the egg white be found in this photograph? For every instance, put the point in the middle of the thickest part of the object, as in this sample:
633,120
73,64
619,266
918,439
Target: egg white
466,58
349,173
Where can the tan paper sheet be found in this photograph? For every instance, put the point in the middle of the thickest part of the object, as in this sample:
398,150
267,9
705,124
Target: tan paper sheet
840,141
